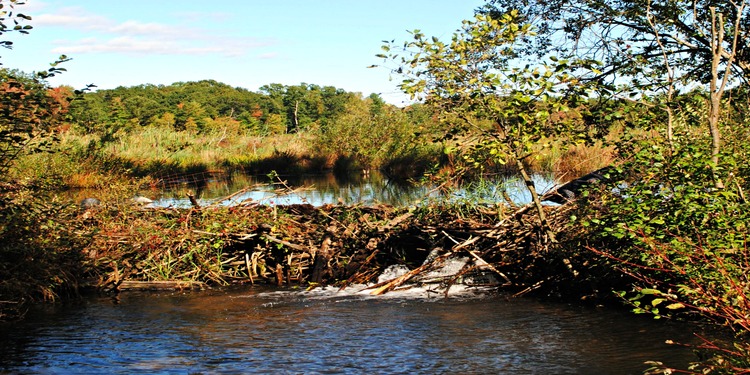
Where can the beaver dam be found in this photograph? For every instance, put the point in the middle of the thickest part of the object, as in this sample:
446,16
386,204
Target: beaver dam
500,246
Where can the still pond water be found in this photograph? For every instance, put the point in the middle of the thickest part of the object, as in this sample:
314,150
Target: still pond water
271,331
356,188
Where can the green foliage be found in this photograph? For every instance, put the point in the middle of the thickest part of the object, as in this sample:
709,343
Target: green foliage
480,90
370,133
633,38
681,241
8,15
39,243
493,105
193,106
29,117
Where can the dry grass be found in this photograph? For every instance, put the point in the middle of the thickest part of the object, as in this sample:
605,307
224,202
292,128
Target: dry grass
582,159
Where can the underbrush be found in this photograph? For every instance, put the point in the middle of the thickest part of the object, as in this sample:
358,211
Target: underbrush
41,242
677,243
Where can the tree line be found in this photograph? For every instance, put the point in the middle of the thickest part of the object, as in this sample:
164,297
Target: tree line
201,105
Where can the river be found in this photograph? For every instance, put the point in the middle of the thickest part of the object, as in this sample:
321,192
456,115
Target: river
271,331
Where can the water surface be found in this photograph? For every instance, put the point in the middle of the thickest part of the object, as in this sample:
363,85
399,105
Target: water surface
257,330
354,188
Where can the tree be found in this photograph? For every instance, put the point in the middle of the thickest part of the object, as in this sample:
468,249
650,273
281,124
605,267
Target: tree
141,108
652,44
628,36
29,116
29,112
497,107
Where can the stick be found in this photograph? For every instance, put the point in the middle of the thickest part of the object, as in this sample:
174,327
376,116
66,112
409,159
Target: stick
285,243
358,273
396,221
396,282
230,196
192,200
249,271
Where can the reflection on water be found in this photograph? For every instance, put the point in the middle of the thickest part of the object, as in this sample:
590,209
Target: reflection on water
372,188
263,331
313,189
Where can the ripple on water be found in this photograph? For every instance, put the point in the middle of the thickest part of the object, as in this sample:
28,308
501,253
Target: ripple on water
329,331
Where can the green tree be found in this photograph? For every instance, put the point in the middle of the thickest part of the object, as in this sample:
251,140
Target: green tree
497,107
141,108
90,113
656,45
38,251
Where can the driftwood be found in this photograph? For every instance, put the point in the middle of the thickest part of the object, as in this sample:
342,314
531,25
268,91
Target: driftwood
131,285
398,281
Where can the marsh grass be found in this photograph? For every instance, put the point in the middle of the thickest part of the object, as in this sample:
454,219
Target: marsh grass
582,159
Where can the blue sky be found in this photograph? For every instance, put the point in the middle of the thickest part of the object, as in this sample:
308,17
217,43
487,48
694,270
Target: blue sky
245,43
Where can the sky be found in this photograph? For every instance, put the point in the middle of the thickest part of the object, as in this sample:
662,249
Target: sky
243,43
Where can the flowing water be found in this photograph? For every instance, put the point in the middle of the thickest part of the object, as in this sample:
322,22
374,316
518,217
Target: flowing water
270,331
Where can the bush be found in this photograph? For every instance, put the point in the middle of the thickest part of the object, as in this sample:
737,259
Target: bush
682,242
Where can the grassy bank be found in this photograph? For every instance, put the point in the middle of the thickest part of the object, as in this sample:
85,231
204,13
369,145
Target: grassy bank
86,161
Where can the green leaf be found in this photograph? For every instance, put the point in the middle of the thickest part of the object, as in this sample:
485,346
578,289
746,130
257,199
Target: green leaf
650,291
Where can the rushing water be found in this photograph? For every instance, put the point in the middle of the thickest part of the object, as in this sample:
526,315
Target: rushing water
257,330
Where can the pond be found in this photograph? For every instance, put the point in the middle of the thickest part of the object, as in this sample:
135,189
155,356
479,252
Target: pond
353,188
326,331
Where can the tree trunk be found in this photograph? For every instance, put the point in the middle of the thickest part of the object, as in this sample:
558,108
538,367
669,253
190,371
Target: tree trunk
536,200
295,119
716,91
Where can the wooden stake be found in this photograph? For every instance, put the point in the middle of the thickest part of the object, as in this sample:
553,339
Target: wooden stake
249,270
193,201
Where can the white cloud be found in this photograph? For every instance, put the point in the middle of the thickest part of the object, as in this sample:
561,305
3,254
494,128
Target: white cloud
131,45
138,28
135,37
31,7
73,18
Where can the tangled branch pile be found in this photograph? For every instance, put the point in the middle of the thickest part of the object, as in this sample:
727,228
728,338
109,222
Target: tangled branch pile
329,245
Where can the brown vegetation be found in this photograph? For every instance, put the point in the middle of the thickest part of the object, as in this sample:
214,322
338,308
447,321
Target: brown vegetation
333,245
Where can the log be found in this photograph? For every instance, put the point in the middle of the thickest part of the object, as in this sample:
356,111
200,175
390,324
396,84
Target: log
249,269
134,285
279,275
321,261
570,190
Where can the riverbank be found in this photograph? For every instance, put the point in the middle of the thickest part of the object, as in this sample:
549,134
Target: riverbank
151,156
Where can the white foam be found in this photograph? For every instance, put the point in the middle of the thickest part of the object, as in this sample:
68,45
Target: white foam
359,291
430,285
